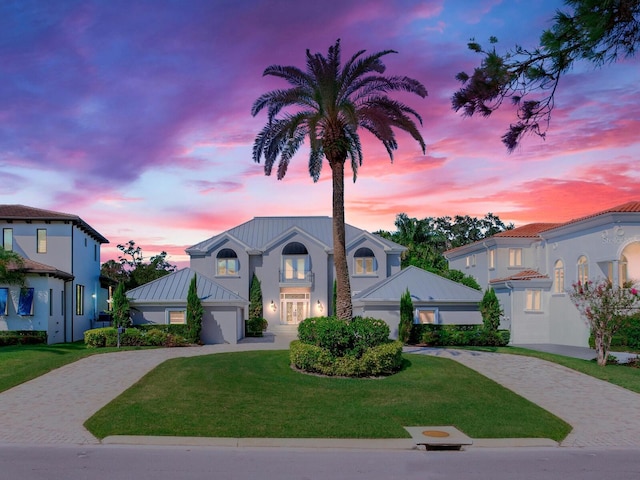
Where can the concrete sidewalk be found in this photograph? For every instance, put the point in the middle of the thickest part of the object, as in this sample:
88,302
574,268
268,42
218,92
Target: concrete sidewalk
51,409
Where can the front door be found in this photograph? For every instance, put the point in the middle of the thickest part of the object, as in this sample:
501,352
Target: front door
294,308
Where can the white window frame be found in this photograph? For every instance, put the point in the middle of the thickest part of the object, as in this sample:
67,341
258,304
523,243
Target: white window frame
491,258
533,300
418,318
583,269
170,311
227,266
515,257
558,277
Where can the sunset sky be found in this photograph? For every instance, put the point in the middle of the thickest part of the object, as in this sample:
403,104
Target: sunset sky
135,115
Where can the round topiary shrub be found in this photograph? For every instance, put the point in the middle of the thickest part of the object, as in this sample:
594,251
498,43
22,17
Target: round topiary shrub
358,348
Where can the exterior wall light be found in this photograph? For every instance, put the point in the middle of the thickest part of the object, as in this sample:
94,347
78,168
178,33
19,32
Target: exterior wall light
273,307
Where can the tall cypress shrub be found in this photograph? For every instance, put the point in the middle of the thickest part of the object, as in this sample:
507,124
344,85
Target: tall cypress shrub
194,312
406,317
255,298
490,310
120,307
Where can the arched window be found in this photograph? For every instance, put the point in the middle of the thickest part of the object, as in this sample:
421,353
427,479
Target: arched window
227,262
558,277
295,262
365,261
583,269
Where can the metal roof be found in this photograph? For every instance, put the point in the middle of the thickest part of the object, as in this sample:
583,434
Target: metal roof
173,288
260,232
424,286
25,213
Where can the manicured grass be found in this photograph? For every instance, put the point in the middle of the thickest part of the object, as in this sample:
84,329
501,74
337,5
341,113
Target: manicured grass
621,375
257,394
21,363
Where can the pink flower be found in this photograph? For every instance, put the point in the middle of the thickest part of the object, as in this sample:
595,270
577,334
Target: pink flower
634,291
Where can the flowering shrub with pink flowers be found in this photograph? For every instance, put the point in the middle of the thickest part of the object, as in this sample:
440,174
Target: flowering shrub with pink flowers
606,308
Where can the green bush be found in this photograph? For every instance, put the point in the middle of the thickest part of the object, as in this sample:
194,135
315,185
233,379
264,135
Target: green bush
342,338
457,335
132,337
255,326
22,337
628,337
380,360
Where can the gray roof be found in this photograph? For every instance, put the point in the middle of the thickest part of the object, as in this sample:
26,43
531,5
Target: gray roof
423,286
173,288
259,233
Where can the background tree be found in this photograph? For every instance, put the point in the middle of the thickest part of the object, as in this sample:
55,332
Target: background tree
11,268
255,298
606,308
327,104
406,317
120,307
133,270
596,31
490,310
195,312
427,239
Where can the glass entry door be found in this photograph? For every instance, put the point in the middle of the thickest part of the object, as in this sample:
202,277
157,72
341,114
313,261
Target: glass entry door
294,307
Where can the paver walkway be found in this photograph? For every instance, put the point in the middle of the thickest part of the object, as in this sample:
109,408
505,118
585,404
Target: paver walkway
601,414
53,407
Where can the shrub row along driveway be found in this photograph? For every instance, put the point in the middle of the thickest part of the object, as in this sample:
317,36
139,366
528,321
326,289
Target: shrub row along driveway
52,408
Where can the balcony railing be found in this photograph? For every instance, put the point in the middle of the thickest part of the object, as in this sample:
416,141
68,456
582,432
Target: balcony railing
296,277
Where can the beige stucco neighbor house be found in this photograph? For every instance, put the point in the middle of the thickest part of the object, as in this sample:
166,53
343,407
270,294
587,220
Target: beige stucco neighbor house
293,259
61,253
532,267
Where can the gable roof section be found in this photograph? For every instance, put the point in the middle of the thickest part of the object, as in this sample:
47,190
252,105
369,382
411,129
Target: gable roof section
261,232
423,286
25,213
173,288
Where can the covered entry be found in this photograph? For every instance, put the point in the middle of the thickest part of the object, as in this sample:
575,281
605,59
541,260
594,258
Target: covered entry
294,305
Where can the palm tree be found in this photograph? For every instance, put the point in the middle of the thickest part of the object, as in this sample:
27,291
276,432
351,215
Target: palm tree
327,103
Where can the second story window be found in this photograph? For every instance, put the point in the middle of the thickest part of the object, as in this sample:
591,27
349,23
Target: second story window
492,258
558,277
41,246
515,257
583,269
7,239
227,263
365,261
295,261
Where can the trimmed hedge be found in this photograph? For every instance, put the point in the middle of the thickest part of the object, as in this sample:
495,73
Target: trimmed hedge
133,337
255,326
458,335
22,337
384,359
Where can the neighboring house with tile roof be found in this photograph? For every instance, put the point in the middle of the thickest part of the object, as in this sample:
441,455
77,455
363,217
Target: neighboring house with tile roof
61,255
532,267
293,259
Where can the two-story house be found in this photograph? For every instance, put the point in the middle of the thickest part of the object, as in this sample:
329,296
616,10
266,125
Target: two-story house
292,257
61,255
532,268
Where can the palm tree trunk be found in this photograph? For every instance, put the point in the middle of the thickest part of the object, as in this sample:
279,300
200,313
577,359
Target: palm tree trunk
343,301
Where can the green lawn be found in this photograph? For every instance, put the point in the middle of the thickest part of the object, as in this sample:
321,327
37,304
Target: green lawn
257,394
21,363
621,375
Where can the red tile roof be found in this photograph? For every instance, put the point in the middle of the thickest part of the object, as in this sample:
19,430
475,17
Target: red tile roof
523,275
530,230
629,207
22,212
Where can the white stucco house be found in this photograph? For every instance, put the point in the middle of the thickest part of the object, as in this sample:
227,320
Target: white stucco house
293,259
61,252
532,267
